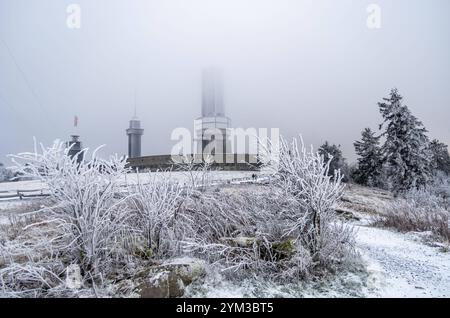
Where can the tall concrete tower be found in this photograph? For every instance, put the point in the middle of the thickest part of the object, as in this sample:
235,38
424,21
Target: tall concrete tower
212,93
134,133
211,128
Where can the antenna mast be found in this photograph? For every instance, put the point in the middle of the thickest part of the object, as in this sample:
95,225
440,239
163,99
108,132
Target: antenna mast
135,104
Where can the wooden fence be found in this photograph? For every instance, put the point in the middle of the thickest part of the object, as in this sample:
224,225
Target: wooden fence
22,194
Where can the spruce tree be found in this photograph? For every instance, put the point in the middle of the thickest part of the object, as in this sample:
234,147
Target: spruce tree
406,150
370,159
5,174
333,152
440,156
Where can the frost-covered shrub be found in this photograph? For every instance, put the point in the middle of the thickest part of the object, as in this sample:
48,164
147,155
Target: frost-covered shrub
440,188
32,279
158,214
89,212
418,210
243,228
155,205
305,175
287,228
94,220
29,266
196,170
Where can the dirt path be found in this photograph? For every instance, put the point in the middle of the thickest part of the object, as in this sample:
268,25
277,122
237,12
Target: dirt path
400,265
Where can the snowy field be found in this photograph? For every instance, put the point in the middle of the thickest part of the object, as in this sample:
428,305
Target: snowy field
184,177
21,185
133,178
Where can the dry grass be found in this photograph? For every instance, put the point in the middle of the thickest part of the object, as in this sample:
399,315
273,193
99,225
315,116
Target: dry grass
416,214
365,199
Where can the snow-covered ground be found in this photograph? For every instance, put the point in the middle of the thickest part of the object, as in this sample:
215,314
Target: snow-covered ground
184,177
396,264
21,185
133,178
402,265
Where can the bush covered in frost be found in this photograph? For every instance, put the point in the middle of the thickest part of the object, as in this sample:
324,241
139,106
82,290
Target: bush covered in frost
86,222
285,229
111,230
419,210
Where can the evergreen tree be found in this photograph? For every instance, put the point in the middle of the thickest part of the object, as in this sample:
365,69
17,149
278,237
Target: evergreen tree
370,159
338,162
406,150
5,174
440,156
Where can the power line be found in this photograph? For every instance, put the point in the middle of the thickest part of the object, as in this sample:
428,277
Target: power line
27,82
16,113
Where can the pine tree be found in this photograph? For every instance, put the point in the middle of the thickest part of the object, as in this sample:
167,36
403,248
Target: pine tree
370,159
5,174
2,172
406,150
338,162
440,156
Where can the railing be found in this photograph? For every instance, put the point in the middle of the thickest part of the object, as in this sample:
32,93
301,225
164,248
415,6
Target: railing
21,194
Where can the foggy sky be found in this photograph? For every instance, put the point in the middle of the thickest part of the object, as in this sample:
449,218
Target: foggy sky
310,67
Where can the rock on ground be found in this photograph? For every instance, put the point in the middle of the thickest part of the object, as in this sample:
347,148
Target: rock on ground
170,279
